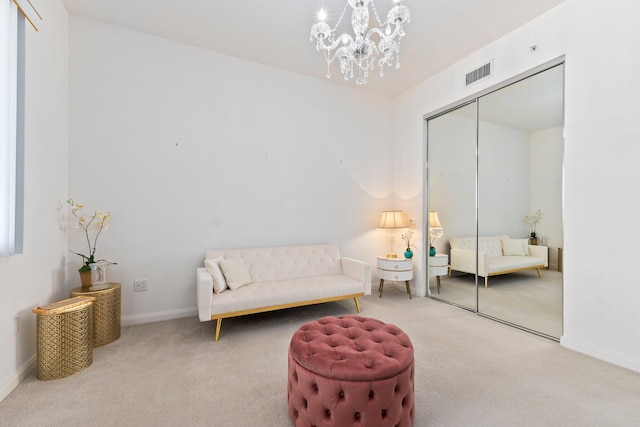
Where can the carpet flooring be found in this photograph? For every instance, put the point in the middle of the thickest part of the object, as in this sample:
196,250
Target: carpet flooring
470,371
520,298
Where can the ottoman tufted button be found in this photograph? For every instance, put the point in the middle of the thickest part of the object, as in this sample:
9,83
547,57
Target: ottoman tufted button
357,415
341,394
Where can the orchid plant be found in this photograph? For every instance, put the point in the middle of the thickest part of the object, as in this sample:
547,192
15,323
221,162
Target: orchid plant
409,233
92,225
532,220
435,234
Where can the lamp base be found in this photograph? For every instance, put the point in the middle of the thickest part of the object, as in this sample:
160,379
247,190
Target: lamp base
391,256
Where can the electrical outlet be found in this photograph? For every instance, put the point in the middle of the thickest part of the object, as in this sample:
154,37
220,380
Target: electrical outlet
139,285
16,325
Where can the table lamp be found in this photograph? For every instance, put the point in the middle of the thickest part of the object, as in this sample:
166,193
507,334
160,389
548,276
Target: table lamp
392,220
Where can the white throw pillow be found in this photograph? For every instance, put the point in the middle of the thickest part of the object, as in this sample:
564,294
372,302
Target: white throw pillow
213,267
525,245
235,272
513,247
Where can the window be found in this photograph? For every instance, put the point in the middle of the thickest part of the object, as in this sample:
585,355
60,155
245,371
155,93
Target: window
12,37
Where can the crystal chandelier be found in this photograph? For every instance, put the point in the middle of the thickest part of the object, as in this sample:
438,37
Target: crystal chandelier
359,53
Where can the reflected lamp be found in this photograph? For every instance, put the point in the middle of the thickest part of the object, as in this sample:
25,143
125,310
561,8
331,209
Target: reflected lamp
436,230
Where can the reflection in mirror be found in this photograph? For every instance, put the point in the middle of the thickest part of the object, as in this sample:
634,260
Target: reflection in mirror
451,154
488,169
520,146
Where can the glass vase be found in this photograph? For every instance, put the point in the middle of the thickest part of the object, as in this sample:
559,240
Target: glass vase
99,274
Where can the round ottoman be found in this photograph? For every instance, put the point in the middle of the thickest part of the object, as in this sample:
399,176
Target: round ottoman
350,371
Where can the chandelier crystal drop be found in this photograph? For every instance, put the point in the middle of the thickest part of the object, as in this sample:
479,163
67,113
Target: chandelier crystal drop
359,53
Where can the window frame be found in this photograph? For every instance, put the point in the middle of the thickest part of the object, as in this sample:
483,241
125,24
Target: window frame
12,81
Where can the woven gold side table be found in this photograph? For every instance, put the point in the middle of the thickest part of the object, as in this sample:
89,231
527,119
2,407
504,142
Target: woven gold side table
106,312
65,335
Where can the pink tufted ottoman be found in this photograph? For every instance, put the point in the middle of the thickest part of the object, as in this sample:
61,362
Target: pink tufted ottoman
350,371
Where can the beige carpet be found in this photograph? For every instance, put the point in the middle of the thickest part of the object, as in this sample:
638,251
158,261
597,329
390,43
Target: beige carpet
470,371
520,298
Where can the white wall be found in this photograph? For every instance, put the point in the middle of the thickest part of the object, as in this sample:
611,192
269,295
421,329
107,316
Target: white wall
192,150
37,277
504,180
546,187
600,296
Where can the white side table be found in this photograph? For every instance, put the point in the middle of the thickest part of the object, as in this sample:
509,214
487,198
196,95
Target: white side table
395,269
438,266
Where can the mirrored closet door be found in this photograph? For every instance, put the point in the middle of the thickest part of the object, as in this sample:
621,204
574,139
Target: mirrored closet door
492,162
452,140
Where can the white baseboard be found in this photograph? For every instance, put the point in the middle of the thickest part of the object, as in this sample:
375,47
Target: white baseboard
12,383
607,355
139,319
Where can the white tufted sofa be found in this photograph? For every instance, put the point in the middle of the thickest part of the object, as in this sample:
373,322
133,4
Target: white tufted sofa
492,260
282,277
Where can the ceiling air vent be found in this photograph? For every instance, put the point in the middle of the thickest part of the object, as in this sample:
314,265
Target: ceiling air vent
479,73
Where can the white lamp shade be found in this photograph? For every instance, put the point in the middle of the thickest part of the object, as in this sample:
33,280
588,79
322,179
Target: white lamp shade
433,220
392,219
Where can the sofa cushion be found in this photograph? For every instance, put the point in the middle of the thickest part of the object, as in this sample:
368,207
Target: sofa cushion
514,247
491,245
488,244
268,294
235,272
213,267
507,263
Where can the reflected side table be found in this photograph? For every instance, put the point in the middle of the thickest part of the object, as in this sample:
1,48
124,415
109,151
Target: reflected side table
560,259
106,312
438,266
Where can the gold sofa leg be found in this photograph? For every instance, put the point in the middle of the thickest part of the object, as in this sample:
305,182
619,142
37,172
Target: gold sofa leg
218,325
357,304
539,273
486,281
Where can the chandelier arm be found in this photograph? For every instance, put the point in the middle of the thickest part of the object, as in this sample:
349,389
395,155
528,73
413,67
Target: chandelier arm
329,47
345,38
375,30
329,55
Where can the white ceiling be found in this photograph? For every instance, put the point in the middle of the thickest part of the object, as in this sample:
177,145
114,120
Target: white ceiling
276,32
